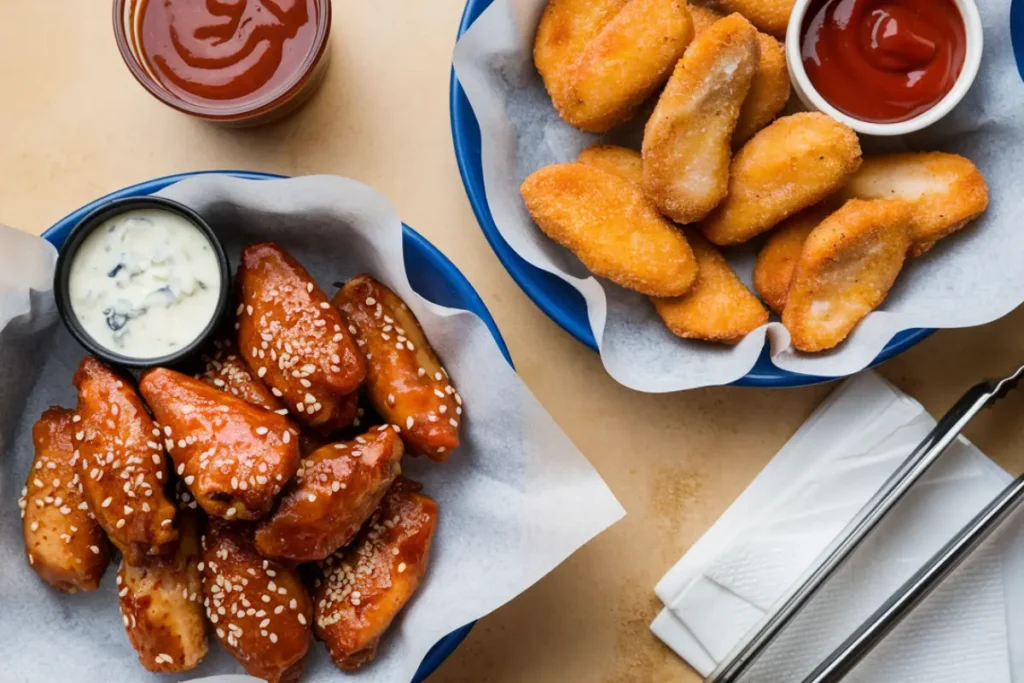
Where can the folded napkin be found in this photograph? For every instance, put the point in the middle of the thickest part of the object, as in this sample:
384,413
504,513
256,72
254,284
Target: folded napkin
776,532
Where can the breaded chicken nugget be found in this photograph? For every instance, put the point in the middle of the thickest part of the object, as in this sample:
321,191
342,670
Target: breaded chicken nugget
846,269
771,16
687,141
611,227
769,90
719,307
947,190
621,161
794,163
600,59
778,258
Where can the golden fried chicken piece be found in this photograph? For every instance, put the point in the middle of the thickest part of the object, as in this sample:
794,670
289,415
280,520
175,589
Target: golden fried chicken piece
947,190
259,608
608,223
621,161
228,371
406,383
233,456
338,488
778,257
294,340
846,269
121,468
63,542
769,91
771,16
366,585
162,605
688,139
719,308
600,59
794,163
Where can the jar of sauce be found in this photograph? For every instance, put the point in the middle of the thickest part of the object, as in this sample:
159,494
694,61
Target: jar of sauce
241,62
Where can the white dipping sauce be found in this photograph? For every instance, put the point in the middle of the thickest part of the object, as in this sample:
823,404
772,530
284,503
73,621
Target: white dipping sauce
145,283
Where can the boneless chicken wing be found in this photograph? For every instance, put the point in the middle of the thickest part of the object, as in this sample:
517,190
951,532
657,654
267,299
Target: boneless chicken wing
64,544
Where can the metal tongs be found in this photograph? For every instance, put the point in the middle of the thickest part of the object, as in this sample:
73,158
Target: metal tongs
843,659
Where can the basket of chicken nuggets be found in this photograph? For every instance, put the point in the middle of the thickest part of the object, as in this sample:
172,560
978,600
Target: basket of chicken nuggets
273,463
713,179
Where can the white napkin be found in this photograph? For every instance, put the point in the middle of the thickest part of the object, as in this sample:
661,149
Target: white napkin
778,528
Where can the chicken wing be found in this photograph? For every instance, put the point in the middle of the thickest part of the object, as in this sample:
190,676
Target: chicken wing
63,542
366,585
229,372
162,605
947,191
234,457
122,467
294,339
771,16
600,59
778,257
846,269
338,488
406,383
688,139
259,608
794,163
611,226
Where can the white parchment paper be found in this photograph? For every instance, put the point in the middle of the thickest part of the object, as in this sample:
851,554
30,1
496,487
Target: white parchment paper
515,500
969,279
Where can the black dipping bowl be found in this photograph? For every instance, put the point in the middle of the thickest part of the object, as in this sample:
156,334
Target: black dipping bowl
93,221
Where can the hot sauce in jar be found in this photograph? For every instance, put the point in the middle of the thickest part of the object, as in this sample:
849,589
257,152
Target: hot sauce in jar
883,61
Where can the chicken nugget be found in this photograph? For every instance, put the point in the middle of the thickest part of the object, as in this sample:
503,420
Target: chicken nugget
846,269
947,190
778,258
719,307
611,226
771,16
688,140
621,161
769,91
794,163
600,59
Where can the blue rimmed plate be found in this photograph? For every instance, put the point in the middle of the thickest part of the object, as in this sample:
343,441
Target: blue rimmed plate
431,274
554,296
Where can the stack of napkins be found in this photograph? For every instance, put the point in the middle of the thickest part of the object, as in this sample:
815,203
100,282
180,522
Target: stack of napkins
971,629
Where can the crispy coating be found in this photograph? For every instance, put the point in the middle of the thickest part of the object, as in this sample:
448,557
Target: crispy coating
621,161
64,544
688,139
778,258
406,383
719,308
122,465
233,456
794,163
162,605
337,489
771,16
228,371
611,226
259,608
947,190
600,59
846,269
367,584
294,340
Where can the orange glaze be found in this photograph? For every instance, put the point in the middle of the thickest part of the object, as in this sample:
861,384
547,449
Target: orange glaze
883,61
235,51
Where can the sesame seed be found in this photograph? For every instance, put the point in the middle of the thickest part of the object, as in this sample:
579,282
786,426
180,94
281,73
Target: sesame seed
230,513
370,301
182,443
249,309
107,501
262,430
189,479
312,497
35,526
261,372
408,422
167,522
401,567
95,549
167,430
453,422
276,392
120,523
76,418
273,637
309,287
286,436
302,619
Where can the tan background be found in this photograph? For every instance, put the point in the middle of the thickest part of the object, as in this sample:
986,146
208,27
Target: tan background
74,125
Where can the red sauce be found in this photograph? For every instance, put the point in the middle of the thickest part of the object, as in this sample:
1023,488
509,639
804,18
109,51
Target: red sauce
227,51
883,61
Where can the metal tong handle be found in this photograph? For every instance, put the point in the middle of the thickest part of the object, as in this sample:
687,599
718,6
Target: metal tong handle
916,464
917,588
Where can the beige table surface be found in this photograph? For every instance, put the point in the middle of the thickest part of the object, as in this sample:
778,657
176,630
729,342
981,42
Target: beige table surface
74,125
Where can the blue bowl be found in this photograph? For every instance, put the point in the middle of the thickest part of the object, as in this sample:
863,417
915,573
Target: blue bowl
554,296
431,274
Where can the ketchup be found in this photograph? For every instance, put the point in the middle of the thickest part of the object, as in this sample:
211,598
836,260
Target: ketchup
883,61
227,51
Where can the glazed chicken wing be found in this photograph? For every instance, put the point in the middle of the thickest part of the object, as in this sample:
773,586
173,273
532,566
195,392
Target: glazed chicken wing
366,585
229,372
234,457
337,489
259,608
121,467
405,381
162,605
295,340
64,544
